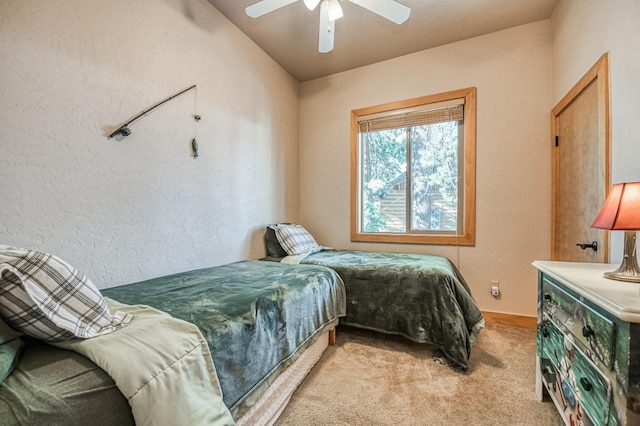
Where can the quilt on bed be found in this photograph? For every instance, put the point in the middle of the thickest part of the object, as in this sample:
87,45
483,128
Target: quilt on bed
161,365
257,317
421,297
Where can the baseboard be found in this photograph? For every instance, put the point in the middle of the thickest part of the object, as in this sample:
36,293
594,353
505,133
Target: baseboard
512,320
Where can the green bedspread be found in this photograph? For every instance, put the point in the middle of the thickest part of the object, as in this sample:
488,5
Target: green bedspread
161,365
421,297
256,316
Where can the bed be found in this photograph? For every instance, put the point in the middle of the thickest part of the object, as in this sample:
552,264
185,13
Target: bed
421,297
263,325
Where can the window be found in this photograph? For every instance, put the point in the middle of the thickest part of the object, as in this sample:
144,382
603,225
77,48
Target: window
413,170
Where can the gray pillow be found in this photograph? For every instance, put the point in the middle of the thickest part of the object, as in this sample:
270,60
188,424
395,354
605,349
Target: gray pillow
274,249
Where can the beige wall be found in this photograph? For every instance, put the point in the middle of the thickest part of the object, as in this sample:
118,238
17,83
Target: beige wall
122,211
141,207
512,72
582,32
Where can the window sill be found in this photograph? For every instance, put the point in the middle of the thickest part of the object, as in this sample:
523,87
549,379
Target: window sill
453,240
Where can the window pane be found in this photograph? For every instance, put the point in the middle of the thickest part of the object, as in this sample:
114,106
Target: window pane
384,170
413,170
434,177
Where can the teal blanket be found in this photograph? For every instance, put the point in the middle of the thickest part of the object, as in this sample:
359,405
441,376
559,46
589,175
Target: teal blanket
257,317
423,298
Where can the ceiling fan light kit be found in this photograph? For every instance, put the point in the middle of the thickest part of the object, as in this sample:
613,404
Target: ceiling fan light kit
335,10
330,11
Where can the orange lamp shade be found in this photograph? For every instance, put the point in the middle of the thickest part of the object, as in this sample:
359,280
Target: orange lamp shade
621,209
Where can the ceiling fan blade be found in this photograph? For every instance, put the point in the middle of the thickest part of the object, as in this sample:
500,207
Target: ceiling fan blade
327,29
311,4
388,9
265,6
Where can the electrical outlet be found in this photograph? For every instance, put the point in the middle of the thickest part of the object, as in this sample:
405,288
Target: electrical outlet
495,288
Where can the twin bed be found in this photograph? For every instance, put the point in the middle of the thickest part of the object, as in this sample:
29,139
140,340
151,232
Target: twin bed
421,297
254,320
264,325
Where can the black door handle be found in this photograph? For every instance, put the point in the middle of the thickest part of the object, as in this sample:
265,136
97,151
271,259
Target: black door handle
593,245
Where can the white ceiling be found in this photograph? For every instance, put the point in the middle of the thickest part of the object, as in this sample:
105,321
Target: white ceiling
290,34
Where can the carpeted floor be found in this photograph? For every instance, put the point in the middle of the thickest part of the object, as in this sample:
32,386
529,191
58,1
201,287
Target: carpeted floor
373,379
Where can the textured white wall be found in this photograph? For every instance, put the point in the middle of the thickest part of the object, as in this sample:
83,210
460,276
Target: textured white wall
512,72
582,33
122,211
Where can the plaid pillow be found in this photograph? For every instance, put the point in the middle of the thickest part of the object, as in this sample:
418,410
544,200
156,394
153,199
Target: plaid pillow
294,239
44,297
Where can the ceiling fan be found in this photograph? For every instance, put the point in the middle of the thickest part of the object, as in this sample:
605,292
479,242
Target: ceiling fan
330,11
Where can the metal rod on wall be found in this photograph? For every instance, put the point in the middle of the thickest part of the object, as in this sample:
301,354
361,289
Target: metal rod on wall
124,129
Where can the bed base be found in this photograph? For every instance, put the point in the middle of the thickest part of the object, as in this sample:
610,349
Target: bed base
273,402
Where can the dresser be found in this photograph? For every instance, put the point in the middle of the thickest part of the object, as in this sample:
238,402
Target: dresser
588,344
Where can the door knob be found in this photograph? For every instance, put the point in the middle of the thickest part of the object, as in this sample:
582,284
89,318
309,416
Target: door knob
593,245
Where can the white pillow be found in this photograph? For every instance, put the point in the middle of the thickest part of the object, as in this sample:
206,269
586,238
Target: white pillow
43,296
295,240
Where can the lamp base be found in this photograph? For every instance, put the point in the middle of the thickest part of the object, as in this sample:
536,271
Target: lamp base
628,270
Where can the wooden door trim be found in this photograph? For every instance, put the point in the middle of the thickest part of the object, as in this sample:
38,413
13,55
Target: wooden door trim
599,72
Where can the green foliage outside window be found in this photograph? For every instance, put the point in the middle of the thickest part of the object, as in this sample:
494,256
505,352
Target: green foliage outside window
433,176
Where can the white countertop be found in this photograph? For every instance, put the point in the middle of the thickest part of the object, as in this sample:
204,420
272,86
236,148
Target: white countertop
619,298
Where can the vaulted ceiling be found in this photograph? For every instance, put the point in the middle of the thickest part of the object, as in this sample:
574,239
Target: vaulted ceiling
290,34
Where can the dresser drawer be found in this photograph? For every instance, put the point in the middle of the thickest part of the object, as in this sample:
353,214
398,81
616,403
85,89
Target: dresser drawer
572,376
552,342
593,333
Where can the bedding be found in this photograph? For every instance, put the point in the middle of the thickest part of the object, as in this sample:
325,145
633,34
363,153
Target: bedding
252,319
257,317
272,245
295,240
47,298
268,407
53,386
423,298
10,346
58,387
162,366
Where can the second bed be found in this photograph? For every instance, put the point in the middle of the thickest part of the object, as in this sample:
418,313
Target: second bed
421,297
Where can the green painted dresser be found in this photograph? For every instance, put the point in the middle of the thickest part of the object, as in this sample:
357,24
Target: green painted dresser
588,344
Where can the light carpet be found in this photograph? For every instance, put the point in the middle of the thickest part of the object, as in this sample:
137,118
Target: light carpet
373,379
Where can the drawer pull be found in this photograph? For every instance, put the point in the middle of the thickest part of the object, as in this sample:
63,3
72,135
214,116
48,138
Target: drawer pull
585,384
587,331
542,328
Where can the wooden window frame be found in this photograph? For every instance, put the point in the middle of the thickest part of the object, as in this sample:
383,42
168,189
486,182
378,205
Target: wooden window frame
468,233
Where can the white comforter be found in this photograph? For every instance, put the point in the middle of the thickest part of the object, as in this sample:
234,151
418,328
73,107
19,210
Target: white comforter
163,367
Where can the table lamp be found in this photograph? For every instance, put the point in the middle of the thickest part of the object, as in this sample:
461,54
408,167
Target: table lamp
621,212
